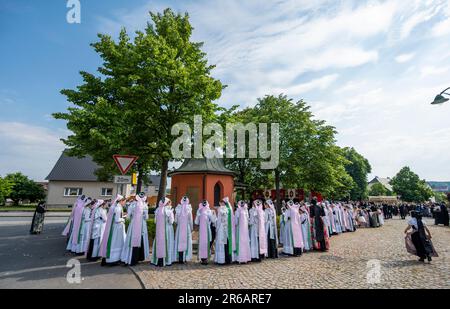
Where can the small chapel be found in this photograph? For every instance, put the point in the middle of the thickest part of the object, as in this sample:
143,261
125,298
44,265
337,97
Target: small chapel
202,179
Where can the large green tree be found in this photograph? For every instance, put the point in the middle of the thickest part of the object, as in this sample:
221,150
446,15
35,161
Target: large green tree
358,168
144,87
410,187
24,188
5,189
308,156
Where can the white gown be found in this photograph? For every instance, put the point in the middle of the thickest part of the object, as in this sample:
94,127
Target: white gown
84,233
254,233
117,235
222,236
128,248
210,219
98,228
188,254
288,246
169,218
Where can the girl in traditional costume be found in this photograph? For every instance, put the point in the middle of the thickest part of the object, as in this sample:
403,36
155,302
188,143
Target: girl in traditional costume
258,239
113,238
183,234
270,216
204,219
163,245
242,233
136,247
225,235
98,223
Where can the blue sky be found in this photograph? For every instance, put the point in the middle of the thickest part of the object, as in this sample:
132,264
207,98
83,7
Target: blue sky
369,68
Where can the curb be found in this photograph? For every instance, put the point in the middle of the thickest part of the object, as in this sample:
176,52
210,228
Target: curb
137,277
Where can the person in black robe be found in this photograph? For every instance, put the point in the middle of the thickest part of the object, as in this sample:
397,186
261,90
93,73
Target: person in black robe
403,211
441,215
421,236
37,224
316,213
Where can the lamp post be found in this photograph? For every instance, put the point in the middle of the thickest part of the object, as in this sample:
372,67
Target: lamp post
440,98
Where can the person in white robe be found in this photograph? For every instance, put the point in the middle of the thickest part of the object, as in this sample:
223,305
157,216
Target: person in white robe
183,234
136,247
98,223
76,244
258,239
380,216
293,231
282,224
270,218
225,246
86,225
241,217
76,211
337,222
204,219
306,228
163,244
114,236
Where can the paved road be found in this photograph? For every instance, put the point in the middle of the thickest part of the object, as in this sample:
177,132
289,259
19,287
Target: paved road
39,261
352,257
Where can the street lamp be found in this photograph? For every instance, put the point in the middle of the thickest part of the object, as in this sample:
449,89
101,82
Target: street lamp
440,97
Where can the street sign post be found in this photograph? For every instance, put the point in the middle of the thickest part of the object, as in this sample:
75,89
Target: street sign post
124,162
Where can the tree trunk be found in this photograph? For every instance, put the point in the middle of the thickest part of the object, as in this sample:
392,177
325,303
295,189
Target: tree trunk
163,182
277,190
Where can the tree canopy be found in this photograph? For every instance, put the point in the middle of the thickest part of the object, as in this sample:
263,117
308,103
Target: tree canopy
358,168
309,157
23,188
144,86
377,189
5,189
410,187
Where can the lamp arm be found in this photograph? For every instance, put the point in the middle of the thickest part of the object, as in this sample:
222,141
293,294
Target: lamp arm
443,92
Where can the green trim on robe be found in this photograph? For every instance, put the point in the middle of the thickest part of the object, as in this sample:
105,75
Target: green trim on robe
230,231
209,243
81,228
237,238
292,236
108,246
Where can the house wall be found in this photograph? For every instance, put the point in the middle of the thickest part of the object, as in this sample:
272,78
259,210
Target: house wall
56,198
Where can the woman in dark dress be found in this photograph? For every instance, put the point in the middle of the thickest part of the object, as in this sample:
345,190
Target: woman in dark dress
37,224
421,236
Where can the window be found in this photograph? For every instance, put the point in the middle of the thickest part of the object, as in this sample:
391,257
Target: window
107,192
73,191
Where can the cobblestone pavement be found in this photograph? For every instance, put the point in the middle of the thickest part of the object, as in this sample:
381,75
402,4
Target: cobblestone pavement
346,265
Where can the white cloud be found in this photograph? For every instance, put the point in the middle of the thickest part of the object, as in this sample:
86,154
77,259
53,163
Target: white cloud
442,28
321,83
30,149
433,70
404,57
263,47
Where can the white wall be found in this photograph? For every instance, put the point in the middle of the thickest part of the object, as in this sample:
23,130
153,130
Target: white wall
56,198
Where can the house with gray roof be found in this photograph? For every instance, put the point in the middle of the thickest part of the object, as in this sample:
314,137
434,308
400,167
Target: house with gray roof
73,176
386,182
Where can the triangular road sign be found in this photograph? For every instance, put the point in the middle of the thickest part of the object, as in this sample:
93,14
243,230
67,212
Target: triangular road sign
124,162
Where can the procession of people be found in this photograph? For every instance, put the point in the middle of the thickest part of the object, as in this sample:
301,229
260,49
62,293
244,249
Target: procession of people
249,232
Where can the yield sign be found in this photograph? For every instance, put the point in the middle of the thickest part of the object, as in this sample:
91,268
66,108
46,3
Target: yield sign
124,162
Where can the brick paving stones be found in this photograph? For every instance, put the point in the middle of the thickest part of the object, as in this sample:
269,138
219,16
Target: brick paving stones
352,260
